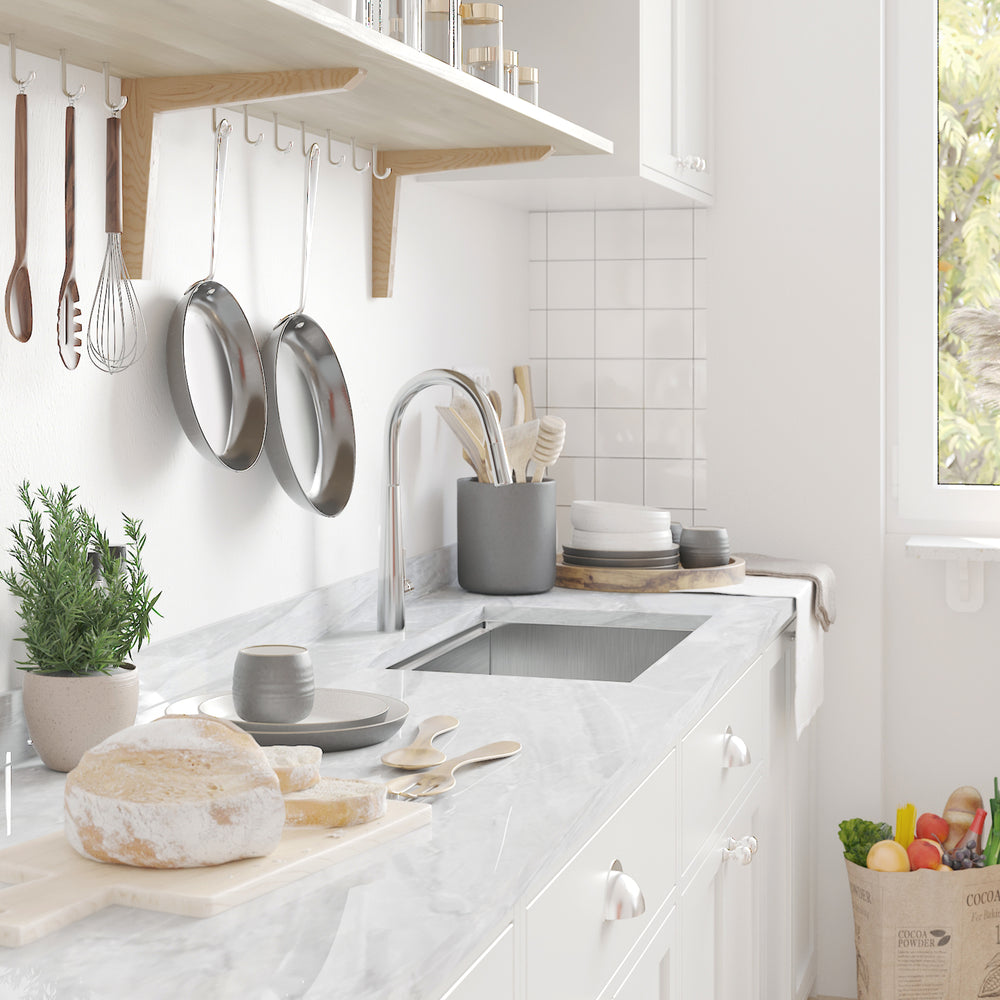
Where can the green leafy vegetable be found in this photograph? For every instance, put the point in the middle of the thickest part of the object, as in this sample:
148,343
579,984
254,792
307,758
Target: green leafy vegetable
858,835
991,853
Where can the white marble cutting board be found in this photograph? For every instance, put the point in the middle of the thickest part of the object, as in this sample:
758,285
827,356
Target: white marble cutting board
54,886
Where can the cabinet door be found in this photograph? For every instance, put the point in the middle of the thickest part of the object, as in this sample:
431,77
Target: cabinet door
491,977
721,917
655,976
676,94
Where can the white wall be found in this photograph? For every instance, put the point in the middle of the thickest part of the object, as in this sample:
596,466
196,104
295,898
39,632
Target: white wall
795,361
223,542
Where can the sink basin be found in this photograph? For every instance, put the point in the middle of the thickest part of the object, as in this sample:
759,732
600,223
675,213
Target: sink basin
567,651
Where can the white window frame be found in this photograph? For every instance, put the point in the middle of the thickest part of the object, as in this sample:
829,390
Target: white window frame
915,501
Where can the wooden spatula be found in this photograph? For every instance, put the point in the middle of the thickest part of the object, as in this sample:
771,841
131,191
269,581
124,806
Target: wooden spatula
520,441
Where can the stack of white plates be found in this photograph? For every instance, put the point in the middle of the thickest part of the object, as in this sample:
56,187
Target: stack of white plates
620,535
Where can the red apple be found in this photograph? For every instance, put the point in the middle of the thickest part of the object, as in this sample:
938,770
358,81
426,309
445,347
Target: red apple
924,853
930,826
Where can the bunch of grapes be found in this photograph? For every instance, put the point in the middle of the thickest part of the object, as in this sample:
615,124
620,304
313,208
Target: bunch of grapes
963,857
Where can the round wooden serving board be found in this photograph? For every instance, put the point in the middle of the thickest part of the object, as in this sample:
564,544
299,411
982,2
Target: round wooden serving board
648,581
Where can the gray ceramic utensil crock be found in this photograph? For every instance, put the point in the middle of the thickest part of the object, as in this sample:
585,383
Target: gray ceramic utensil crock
506,537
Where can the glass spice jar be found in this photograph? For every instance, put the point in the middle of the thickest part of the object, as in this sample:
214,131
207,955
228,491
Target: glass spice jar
527,83
482,39
403,20
443,31
510,79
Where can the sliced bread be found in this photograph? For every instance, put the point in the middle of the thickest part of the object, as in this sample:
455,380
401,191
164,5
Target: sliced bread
336,802
296,767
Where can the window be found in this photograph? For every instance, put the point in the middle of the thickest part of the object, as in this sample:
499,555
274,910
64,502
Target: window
917,500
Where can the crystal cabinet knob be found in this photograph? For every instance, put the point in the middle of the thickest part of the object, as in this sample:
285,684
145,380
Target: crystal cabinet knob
696,163
742,850
623,898
735,753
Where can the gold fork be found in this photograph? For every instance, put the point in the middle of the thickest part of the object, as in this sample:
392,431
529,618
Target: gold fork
442,777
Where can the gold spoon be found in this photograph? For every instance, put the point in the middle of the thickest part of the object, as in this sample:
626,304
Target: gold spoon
420,753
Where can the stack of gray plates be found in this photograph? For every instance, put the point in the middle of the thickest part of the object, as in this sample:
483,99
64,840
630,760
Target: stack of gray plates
704,547
667,557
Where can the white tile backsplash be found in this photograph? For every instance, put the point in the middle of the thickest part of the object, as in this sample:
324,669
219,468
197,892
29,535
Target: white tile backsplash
570,284
619,382
619,235
571,333
618,284
571,236
619,333
625,338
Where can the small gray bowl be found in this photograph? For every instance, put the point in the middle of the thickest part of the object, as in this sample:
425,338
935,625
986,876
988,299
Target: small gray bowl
273,683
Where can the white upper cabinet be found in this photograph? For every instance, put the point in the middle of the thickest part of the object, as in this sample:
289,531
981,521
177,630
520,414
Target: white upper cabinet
636,71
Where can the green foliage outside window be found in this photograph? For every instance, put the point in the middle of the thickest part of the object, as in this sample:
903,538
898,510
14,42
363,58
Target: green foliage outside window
969,227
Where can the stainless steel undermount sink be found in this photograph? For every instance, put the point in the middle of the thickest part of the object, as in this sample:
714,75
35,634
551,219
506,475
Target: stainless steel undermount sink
591,652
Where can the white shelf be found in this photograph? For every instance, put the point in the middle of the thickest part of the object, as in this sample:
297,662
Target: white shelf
963,558
408,100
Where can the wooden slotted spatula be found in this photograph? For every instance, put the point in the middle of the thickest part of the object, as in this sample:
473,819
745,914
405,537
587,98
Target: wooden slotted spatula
69,323
520,441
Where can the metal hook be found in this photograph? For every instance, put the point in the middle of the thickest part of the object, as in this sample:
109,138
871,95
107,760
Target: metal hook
354,157
375,173
215,122
280,149
246,129
21,84
80,91
329,153
115,109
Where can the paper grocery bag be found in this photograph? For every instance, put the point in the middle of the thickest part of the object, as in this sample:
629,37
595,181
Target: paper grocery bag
926,935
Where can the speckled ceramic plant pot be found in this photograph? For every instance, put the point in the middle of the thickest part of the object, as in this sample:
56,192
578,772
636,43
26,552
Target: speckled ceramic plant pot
67,714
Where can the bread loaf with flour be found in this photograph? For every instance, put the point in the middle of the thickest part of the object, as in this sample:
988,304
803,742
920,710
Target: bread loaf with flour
180,792
296,767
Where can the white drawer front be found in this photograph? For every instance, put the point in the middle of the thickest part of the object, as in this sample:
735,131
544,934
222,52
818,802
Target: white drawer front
572,951
708,787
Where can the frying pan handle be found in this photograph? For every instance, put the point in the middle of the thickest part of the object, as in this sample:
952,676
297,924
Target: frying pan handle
221,154
312,183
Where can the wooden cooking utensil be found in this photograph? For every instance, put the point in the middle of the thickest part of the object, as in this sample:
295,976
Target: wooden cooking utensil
497,402
522,379
464,407
518,405
420,754
441,778
472,450
69,324
18,297
551,438
520,441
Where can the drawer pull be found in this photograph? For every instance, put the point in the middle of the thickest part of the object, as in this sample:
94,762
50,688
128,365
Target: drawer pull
623,898
735,753
742,850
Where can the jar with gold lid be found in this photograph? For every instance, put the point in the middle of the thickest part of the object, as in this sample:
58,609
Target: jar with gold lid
482,41
443,31
527,83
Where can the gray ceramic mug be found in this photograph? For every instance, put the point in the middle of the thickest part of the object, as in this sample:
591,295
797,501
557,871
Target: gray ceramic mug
506,537
273,683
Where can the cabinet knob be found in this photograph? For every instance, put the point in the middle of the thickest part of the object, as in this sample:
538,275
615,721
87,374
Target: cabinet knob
735,753
742,850
696,163
623,898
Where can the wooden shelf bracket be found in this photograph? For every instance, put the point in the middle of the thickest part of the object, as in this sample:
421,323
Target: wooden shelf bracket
403,162
149,96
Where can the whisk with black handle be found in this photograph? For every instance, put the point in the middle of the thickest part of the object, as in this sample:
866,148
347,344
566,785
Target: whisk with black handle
116,331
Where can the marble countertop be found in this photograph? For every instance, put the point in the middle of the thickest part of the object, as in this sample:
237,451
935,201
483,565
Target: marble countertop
401,920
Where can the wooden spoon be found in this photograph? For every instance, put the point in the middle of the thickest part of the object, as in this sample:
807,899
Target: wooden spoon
472,450
551,438
520,442
420,753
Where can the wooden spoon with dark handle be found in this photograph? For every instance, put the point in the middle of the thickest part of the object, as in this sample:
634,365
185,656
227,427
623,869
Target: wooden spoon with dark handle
17,301
69,322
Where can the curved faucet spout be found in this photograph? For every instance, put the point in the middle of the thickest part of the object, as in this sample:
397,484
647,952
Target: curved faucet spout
391,615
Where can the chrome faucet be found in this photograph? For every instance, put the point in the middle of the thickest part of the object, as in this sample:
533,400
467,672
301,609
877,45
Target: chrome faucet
391,615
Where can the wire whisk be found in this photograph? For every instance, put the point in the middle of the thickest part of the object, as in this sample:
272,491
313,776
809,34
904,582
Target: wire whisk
116,331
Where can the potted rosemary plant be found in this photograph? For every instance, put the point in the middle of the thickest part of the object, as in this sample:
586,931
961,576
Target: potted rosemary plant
84,607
